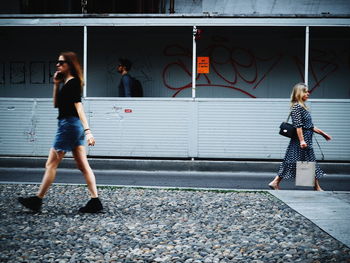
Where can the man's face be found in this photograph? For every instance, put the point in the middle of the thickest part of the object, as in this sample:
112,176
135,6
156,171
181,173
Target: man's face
120,68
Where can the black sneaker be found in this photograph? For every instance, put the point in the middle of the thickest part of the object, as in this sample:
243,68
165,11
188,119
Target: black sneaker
34,203
93,206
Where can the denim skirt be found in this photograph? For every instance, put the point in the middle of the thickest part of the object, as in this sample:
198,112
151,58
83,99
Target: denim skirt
70,134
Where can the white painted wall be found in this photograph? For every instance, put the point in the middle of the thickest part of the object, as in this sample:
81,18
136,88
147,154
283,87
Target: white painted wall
175,128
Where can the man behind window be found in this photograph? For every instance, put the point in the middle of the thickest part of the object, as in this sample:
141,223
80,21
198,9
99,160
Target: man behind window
125,85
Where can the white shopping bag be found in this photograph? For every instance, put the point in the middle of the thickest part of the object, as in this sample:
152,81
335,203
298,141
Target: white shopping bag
305,174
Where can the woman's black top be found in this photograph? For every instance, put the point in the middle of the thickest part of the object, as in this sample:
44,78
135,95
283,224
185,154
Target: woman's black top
69,94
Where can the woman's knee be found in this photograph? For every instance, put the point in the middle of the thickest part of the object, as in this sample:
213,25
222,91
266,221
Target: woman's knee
81,160
81,167
82,164
50,164
84,167
54,159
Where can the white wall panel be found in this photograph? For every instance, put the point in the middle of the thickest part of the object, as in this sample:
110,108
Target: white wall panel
175,128
17,136
271,7
145,128
46,126
334,119
241,128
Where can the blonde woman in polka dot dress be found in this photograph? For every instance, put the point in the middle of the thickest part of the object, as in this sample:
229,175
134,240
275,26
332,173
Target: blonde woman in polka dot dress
300,147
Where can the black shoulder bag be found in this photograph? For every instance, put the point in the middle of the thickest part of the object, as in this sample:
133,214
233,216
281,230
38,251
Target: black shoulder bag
287,129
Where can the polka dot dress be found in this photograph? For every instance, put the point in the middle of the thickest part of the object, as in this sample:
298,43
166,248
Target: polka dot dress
301,118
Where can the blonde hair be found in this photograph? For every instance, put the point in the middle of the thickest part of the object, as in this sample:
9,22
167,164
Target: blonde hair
74,66
298,92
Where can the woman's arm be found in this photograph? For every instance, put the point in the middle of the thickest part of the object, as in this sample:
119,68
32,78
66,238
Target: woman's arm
80,109
325,135
300,134
56,87
55,92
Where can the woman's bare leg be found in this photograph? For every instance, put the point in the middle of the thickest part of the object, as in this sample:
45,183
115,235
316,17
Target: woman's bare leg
52,163
317,185
275,183
79,154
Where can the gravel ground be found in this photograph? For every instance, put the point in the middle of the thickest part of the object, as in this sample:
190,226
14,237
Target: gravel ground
144,225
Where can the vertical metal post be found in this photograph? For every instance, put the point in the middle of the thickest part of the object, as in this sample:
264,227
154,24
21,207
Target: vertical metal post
162,6
194,56
172,7
84,6
85,62
306,72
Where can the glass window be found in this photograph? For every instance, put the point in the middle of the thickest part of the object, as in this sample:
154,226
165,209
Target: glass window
161,60
28,56
329,65
250,62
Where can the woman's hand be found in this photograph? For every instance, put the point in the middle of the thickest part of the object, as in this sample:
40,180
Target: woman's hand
90,138
326,136
300,134
303,144
57,77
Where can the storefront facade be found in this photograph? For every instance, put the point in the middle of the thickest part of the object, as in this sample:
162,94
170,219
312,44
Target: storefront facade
231,112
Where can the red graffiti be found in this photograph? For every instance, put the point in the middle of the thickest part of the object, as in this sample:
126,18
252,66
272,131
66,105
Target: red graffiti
322,64
318,62
232,60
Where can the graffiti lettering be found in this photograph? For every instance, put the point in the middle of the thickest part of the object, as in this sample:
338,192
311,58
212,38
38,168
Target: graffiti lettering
322,62
233,67
238,60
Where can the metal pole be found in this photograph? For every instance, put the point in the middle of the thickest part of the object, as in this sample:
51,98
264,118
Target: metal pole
85,62
306,73
194,55
172,7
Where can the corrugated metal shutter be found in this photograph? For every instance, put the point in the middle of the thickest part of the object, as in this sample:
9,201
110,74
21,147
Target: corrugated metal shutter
46,125
333,118
17,136
272,7
144,128
175,128
241,128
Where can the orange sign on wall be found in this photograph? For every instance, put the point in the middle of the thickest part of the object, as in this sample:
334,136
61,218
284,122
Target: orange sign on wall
203,65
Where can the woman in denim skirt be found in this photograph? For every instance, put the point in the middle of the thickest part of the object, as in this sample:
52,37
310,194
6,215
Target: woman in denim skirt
72,130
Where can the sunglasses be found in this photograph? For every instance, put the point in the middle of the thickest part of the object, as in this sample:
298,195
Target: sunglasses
60,62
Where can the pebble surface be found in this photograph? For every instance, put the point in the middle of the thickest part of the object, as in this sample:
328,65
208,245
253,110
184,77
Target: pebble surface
149,225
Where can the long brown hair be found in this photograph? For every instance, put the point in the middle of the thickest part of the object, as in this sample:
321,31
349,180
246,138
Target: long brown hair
74,66
297,95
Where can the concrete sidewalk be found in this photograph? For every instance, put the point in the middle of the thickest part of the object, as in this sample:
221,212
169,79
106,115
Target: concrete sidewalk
197,165
329,210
